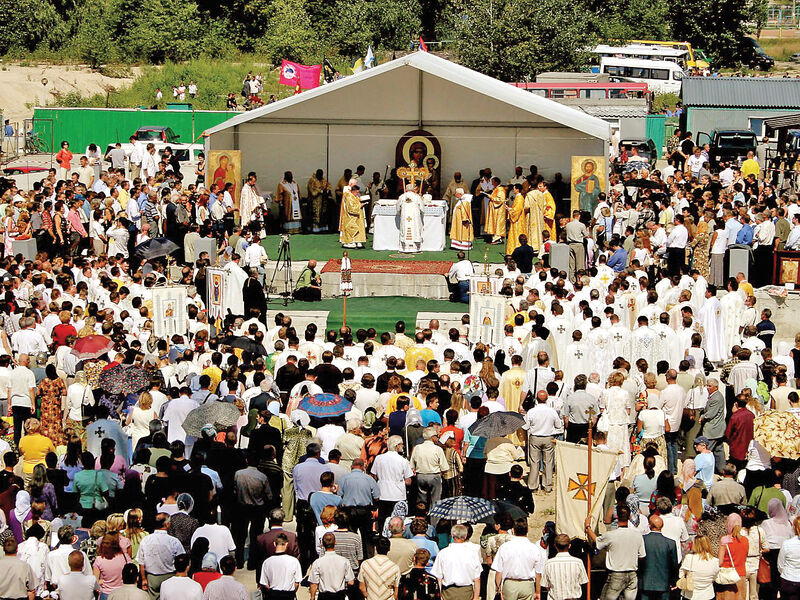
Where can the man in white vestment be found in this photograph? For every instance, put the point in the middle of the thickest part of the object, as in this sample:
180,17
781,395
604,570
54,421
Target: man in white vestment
598,341
732,308
666,342
619,339
710,317
249,200
410,207
699,290
236,280
576,358
644,344
561,333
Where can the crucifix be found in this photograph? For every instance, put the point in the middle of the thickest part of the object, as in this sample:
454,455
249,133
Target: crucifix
617,337
412,174
579,354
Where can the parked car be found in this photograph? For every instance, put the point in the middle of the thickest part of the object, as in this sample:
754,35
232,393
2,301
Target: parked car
795,57
728,145
162,137
752,54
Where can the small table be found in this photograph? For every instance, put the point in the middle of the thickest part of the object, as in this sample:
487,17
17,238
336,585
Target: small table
387,226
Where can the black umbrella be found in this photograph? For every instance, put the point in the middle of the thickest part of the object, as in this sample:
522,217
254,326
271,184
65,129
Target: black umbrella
497,424
643,183
505,506
245,343
155,248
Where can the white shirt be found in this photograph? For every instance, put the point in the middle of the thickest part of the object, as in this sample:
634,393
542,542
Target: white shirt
174,414
789,559
678,237
57,564
672,399
328,435
22,382
675,529
563,576
157,552
794,238
519,558
461,270
458,564
181,588
28,341
281,572
220,540
392,470
254,254
541,421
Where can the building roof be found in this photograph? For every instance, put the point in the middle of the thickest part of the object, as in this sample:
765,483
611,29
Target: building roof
783,122
741,92
413,78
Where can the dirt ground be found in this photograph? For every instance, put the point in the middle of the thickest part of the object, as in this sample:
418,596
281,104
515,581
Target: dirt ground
21,86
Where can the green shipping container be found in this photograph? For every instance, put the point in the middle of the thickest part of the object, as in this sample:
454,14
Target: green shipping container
103,126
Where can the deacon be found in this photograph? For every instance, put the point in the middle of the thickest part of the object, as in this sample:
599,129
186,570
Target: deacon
450,194
496,213
319,190
236,281
289,200
249,200
352,233
517,220
542,214
461,232
410,208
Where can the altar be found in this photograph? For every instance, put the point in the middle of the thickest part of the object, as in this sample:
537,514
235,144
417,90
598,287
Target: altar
387,226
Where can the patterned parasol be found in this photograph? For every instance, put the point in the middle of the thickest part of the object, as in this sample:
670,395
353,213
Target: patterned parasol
92,346
497,424
124,379
325,405
779,432
219,414
465,509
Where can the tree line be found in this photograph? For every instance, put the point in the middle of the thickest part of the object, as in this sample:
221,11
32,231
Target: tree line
508,39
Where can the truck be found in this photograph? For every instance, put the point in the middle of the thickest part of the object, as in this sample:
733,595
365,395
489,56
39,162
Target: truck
728,145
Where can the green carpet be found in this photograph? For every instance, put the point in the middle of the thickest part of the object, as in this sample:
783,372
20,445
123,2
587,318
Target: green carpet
324,246
380,313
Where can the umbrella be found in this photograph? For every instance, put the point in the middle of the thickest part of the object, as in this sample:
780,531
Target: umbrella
155,247
462,508
779,433
245,343
124,379
92,346
325,405
643,183
504,506
219,414
497,424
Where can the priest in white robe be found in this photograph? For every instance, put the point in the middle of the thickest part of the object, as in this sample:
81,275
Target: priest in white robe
732,309
598,342
410,207
667,347
710,317
576,358
235,284
560,334
644,342
619,339
249,200
699,290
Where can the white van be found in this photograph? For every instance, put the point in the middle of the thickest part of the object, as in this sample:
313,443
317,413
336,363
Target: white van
661,76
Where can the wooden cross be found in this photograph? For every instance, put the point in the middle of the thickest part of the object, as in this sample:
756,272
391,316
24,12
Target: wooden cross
412,174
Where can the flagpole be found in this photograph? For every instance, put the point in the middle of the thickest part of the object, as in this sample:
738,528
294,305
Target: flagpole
345,285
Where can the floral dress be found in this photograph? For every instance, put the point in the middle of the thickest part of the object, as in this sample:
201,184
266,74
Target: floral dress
50,392
702,247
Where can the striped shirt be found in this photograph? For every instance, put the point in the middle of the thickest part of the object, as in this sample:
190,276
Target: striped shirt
380,575
563,576
348,545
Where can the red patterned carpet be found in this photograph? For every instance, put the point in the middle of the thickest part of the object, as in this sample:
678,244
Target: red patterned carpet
400,267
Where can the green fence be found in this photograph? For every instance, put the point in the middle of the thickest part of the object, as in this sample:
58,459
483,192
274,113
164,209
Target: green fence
103,126
659,128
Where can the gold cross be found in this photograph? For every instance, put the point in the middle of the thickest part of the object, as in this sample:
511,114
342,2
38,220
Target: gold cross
412,174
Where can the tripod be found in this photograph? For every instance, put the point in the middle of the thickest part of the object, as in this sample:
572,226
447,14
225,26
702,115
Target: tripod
283,263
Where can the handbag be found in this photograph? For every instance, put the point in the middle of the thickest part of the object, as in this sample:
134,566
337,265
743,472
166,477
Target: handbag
727,575
764,574
686,583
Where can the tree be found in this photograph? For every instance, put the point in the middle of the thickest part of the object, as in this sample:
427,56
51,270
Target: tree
514,40
717,26
631,20
386,24
290,34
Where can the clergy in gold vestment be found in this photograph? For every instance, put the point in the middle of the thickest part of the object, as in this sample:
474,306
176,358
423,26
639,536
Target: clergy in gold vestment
317,187
541,215
517,220
496,215
352,234
461,232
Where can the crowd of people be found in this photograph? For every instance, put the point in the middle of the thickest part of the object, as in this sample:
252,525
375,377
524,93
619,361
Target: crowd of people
127,495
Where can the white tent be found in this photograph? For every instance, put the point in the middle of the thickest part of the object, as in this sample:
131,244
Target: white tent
479,122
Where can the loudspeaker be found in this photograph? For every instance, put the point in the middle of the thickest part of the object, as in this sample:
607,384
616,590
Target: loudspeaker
739,262
559,257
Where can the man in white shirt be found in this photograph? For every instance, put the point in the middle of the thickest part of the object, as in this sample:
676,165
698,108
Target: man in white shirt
564,574
673,399
175,413
149,162
461,271
458,566
27,340
674,526
394,474
793,241
542,422
281,572
21,394
220,540
181,586
676,246
519,564
57,563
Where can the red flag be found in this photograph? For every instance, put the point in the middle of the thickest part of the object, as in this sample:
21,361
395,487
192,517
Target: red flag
294,74
422,45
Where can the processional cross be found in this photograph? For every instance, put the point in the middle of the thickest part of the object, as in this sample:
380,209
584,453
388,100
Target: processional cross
412,174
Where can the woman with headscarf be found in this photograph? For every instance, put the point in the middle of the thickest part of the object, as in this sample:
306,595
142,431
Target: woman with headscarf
691,502
777,529
20,514
783,356
412,430
208,569
182,525
41,490
696,400
733,550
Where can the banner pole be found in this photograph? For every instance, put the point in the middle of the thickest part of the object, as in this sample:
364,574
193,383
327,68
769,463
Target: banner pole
589,505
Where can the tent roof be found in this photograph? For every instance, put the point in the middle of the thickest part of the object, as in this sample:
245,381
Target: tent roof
425,63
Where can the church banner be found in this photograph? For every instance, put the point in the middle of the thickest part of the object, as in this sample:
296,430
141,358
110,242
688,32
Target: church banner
588,180
573,487
216,282
480,284
292,73
487,317
169,311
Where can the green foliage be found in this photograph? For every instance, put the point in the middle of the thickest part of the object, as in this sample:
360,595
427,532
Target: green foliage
716,26
388,24
290,34
26,25
632,20
514,40
662,102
